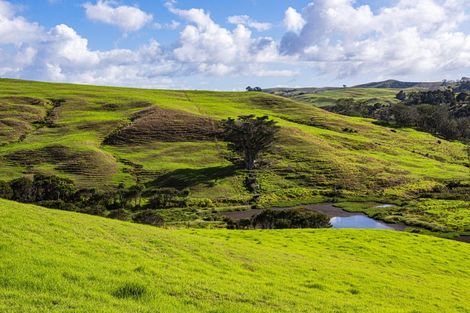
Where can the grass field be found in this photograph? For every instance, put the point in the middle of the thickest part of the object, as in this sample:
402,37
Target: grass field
328,97
165,140
56,261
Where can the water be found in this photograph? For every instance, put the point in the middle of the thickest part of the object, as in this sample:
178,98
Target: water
385,206
357,221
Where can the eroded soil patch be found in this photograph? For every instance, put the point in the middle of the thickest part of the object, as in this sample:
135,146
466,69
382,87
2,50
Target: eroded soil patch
156,124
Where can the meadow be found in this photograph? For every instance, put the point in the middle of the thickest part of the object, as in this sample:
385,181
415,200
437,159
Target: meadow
62,129
56,261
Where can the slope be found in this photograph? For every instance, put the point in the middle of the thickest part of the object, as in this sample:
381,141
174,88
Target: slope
55,261
102,136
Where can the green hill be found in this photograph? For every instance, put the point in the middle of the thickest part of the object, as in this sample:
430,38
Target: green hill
56,261
102,136
325,97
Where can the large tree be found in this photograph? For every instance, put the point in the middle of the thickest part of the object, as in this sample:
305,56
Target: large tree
250,136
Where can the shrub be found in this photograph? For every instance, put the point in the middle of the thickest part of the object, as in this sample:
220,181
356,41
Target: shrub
5,190
22,189
169,198
293,218
120,214
200,203
149,217
58,205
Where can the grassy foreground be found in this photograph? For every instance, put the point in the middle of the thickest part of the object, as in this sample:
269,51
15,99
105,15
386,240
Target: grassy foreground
56,261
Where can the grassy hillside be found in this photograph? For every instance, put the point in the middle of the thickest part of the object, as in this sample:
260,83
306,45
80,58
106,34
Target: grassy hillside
55,261
329,96
165,139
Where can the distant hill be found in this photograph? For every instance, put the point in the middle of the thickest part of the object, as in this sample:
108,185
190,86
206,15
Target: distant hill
396,84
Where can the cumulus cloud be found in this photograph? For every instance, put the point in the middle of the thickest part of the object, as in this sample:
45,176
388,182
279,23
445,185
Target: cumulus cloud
249,22
205,46
127,18
16,29
293,20
27,50
413,36
331,37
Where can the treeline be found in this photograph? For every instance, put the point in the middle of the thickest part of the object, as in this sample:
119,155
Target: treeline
443,113
284,219
125,203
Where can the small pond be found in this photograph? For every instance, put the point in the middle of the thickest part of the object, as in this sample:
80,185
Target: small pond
339,218
357,221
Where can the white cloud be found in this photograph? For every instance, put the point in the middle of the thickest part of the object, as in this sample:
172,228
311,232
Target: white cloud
293,20
206,47
127,18
333,37
413,36
14,29
249,22
172,25
66,47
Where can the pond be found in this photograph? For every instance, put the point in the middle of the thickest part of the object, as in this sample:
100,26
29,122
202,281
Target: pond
357,221
339,218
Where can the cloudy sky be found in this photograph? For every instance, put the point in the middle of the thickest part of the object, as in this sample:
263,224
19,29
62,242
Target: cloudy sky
227,45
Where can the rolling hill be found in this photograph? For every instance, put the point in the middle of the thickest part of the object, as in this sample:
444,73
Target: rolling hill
396,84
102,136
56,261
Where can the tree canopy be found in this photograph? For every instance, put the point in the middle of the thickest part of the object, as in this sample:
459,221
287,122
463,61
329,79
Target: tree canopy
250,136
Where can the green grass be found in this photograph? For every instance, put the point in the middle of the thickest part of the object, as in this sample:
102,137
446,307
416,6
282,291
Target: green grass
314,156
449,217
55,261
329,97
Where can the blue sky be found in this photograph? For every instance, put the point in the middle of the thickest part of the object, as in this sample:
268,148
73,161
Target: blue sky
227,45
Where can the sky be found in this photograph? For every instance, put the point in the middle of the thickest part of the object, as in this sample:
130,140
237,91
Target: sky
228,45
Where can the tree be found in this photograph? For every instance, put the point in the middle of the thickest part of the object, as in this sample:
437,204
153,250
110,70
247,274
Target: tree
5,190
135,193
461,97
403,115
293,218
401,95
250,136
22,189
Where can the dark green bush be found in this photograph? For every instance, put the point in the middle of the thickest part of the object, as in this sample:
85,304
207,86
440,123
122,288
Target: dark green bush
149,217
5,190
294,218
165,198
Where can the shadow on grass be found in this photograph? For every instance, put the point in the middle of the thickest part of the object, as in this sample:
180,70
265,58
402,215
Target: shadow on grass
186,178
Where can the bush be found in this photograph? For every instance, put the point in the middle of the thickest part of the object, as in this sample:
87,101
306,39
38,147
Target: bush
120,214
5,190
200,203
58,205
22,189
149,217
169,198
294,218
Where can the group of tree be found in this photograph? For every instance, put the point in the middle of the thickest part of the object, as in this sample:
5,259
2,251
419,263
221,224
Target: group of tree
122,202
440,112
282,219
249,88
